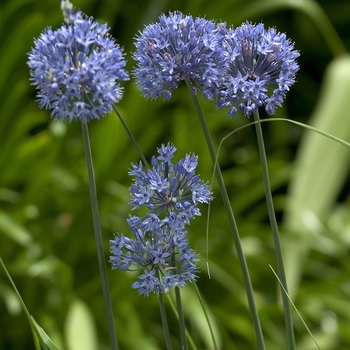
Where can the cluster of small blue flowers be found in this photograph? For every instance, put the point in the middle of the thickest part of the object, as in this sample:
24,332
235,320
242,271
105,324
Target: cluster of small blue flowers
76,68
160,247
167,187
243,68
260,67
178,48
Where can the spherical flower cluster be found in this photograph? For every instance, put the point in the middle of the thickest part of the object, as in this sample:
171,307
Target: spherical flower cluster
76,68
176,48
243,68
169,187
260,68
171,192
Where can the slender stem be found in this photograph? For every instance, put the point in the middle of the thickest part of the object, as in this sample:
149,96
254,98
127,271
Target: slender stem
206,315
180,313
131,136
189,338
311,128
98,238
181,319
233,225
275,233
164,322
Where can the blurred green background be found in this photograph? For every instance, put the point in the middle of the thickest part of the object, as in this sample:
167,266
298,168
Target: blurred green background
46,235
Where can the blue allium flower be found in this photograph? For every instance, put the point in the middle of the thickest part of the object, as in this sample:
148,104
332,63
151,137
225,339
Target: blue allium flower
260,68
173,188
77,68
162,252
176,48
160,247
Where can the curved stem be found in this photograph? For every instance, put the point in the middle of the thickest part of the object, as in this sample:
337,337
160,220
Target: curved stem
233,225
275,233
206,315
144,161
98,238
311,128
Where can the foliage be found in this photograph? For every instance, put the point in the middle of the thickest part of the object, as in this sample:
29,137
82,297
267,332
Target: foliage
47,243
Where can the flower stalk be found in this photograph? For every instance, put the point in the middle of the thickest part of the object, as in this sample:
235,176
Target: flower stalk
132,138
164,322
181,319
233,225
275,234
98,237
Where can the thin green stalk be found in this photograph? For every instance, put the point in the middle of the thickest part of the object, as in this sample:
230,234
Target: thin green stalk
189,338
164,322
98,238
205,315
311,128
296,310
320,132
233,225
131,136
180,314
181,319
275,233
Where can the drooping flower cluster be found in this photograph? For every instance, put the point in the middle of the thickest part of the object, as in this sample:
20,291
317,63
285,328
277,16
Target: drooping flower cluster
260,68
171,192
243,68
77,68
176,48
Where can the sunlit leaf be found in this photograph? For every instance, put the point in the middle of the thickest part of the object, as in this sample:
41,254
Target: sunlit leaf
80,327
321,166
15,231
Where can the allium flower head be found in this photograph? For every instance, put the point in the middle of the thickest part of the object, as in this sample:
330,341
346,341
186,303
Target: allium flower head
176,48
76,68
160,247
260,68
169,188
161,252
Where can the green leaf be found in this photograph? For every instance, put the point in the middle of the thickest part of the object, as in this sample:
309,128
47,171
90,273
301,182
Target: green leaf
10,299
45,341
321,167
322,164
80,329
13,230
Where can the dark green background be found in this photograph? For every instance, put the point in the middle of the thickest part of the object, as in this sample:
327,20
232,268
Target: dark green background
46,235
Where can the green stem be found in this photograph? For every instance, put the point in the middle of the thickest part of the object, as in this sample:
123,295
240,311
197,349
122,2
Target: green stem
164,322
131,136
206,315
98,238
311,128
181,319
275,233
189,339
233,225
